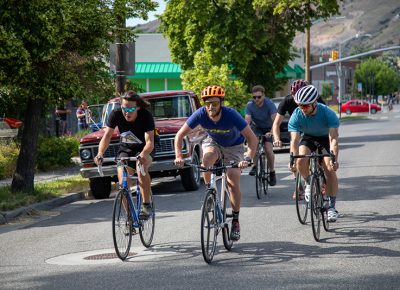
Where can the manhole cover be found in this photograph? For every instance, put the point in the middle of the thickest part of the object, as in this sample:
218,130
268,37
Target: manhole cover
106,256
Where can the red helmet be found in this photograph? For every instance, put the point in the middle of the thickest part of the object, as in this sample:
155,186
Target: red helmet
213,91
296,85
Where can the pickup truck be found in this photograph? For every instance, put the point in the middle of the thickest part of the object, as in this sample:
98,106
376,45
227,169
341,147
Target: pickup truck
170,110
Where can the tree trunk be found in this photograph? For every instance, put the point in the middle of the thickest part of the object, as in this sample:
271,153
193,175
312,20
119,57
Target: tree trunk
23,179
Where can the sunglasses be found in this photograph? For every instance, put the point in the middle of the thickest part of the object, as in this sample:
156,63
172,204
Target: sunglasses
214,104
129,110
257,97
305,107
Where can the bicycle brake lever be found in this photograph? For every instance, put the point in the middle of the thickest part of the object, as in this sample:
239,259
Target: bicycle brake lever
100,170
141,168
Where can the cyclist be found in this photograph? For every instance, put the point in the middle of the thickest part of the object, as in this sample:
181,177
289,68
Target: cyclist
260,113
226,131
287,105
316,123
133,116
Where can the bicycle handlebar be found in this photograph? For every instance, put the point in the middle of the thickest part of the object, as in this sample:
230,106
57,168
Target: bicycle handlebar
216,168
114,159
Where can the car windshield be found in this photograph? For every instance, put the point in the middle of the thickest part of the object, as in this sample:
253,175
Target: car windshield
170,107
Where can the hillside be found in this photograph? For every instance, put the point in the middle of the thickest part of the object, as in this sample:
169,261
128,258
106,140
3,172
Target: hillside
378,19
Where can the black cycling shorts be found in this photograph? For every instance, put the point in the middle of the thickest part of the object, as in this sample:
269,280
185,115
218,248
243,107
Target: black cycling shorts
313,142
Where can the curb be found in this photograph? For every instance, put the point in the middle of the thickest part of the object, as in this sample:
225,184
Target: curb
6,217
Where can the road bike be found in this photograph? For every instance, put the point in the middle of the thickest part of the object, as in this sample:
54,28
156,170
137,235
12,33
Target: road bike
262,171
126,210
216,212
318,201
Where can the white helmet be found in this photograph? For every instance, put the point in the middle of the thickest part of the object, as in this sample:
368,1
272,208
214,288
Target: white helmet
306,95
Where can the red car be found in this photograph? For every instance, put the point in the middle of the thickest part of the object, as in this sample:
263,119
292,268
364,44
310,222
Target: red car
359,106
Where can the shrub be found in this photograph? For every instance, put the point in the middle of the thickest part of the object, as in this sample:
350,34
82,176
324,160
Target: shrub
54,153
8,158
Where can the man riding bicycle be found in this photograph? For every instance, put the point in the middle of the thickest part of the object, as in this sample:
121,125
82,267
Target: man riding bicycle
318,126
226,131
260,113
287,105
133,116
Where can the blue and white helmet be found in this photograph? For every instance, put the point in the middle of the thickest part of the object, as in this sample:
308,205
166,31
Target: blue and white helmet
306,95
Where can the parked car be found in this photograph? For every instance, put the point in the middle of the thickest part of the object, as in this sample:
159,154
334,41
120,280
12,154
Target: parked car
359,106
170,110
285,135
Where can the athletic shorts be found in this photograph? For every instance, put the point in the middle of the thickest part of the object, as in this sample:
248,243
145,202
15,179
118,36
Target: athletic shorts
260,131
312,142
233,153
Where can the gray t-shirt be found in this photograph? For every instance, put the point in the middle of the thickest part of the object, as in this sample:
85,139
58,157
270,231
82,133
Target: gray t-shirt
261,116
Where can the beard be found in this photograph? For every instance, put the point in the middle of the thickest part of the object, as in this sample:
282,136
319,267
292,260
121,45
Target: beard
214,113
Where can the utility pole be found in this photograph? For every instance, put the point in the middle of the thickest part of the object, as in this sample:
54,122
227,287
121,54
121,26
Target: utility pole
307,72
120,59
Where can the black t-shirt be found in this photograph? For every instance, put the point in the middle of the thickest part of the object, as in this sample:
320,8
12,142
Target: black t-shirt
144,122
289,105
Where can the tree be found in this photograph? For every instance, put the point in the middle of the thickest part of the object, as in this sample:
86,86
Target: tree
52,50
248,35
376,77
205,74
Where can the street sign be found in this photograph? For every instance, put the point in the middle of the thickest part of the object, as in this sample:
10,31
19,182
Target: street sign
359,87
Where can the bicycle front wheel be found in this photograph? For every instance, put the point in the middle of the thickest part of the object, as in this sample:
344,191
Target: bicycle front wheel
209,226
301,203
122,225
227,217
324,204
146,230
265,174
259,175
315,199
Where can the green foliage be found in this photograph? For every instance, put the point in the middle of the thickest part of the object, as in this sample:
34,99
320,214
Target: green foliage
8,157
247,35
56,152
376,77
326,90
204,74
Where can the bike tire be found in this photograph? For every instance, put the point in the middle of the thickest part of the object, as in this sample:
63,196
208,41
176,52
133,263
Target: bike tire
146,230
315,200
227,217
265,174
209,228
301,203
122,225
259,176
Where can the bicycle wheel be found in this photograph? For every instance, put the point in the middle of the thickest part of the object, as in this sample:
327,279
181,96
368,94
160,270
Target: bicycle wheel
259,175
227,217
316,216
146,230
301,203
209,226
265,174
122,225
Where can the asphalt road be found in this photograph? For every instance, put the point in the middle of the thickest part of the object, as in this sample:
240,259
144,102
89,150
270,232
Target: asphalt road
68,247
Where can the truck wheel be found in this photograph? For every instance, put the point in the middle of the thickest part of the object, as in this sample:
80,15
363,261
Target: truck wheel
100,187
190,177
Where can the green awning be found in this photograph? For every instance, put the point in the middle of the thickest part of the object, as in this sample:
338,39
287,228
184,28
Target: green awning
156,70
287,72
300,72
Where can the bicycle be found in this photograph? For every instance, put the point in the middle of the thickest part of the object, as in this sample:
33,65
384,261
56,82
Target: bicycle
262,170
318,201
126,212
216,213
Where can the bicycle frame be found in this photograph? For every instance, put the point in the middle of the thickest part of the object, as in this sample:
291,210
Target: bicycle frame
220,199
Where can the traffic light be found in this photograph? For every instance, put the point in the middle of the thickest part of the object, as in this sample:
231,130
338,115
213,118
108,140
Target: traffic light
334,55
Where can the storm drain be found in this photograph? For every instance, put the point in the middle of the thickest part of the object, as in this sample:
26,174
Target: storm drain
106,256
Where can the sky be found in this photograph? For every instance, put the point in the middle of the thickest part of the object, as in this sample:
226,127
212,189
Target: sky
160,10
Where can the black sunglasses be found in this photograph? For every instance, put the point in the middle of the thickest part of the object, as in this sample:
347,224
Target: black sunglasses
257,97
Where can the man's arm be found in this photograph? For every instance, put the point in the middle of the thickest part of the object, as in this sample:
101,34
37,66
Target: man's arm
185,130
276,131
334,145
252,141
104,142
294,147
149,139
247,118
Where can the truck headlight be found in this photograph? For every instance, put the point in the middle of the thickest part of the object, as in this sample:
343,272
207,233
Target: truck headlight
86,154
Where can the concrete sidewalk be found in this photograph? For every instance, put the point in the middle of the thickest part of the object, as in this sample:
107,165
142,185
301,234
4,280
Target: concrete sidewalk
6,217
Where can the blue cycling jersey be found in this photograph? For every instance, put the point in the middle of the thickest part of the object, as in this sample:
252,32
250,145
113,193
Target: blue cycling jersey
226,132
314,125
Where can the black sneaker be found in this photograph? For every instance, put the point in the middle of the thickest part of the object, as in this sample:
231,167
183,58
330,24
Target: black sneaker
235,231
253,171
145,211
272,178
